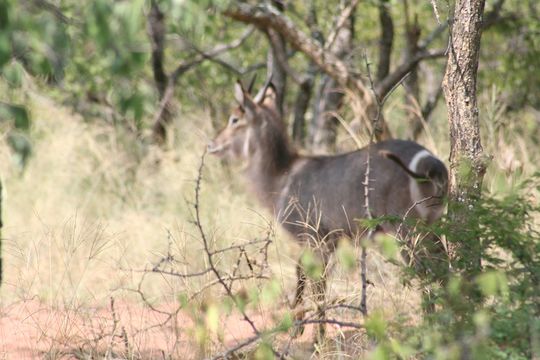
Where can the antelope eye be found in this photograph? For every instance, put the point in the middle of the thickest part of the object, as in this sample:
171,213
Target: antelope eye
234,120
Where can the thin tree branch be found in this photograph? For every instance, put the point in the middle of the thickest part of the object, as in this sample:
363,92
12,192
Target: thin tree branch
386,85
280,56
340,23
491,18
53,9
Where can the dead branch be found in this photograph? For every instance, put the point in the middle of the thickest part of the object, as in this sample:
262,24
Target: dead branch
210,258
265,16
226,355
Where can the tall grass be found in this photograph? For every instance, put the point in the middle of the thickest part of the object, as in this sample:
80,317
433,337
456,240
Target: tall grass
95,205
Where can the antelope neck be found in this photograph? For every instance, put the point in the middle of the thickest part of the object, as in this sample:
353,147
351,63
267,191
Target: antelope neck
270,166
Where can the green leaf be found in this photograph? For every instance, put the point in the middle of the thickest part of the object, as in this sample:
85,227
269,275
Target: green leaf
402,350
389,246
270,292
21,146
376,326
312,264
212,318
201,334
17,113
346,255
370,223
264,352
492,283
286,323
183,299
454,286
13,74
380,353
5,49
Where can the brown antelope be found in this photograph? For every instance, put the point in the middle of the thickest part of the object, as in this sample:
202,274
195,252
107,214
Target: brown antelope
318,198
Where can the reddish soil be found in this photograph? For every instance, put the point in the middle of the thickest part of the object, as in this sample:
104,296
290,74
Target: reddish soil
31,329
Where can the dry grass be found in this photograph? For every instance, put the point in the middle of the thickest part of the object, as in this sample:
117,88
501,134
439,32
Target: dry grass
94,205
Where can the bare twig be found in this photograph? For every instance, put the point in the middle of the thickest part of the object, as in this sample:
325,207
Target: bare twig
383,88
210,258
226,355
436,11
208,252
340,23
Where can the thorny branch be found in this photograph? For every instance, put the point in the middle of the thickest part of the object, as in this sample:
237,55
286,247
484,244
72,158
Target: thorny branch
210,258
225,280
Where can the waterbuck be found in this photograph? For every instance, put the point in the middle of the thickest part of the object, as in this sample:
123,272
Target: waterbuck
318,198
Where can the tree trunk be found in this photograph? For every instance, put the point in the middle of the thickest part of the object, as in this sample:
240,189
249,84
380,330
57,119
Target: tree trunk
301,104
324,122
386,40
305,90
467,160
278,49
411,85
156,31
330,94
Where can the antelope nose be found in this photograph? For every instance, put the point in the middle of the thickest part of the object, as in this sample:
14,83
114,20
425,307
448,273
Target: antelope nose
211,146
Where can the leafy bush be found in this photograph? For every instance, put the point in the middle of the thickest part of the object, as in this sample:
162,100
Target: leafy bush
489,310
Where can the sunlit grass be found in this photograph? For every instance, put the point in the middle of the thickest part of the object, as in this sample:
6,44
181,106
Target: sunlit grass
95,205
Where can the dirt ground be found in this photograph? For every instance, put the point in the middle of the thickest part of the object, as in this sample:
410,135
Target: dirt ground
34,330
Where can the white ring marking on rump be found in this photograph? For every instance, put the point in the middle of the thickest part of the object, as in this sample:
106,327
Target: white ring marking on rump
414,188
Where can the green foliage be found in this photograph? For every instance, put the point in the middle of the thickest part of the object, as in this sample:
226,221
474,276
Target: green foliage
376,326
312,264
19,119
388,245
346,256
264,352
517,47
492,313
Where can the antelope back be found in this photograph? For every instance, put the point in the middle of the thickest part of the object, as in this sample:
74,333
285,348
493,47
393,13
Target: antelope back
326,194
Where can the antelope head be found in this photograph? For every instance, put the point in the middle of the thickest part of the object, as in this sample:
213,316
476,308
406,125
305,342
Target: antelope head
246,126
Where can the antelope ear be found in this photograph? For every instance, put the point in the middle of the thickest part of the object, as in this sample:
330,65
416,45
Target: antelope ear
270,96
239,94
244,100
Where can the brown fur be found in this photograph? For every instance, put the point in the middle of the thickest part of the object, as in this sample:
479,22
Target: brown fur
318,198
